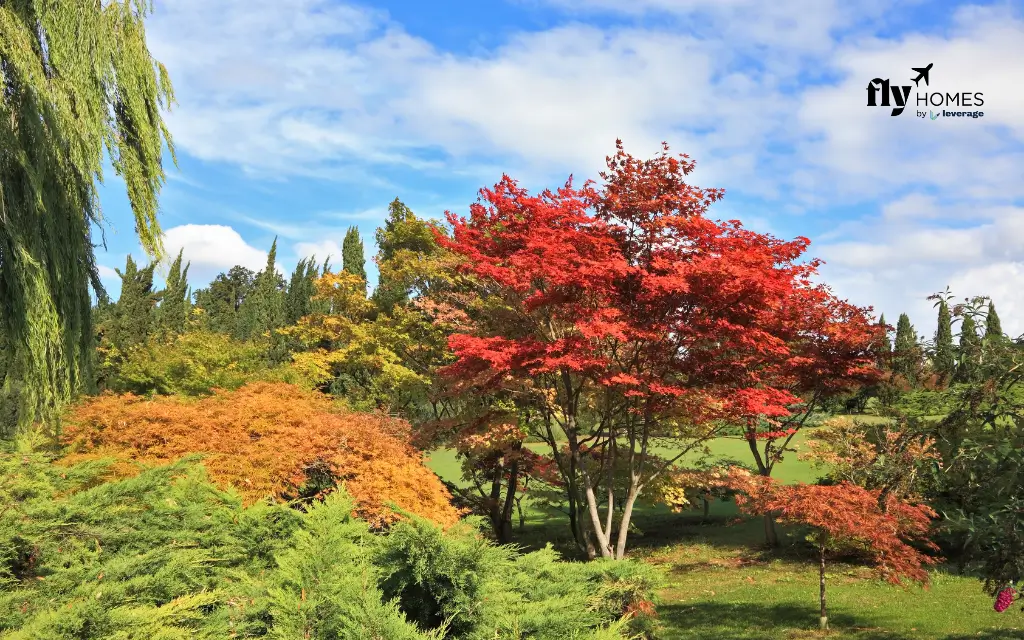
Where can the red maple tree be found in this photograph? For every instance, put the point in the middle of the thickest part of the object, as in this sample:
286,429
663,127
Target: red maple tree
632,317
846,517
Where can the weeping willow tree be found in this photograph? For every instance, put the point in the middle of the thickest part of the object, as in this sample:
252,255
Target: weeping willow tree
77,83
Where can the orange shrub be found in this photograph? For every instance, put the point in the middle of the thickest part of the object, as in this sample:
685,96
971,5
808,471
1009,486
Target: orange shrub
263,440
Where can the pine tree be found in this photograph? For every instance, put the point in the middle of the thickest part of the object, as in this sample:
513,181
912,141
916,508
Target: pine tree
133,313
944,359
263,310
993,327
905,350
77,85
352,259
969,353
174,299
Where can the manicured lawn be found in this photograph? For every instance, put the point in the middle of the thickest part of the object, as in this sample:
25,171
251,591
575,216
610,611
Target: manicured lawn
721,584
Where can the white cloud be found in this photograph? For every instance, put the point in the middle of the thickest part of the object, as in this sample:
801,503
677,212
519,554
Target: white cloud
212,249
322,249
107,273
895,261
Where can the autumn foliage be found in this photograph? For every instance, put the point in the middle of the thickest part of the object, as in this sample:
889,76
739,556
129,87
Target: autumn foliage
267,440
625,305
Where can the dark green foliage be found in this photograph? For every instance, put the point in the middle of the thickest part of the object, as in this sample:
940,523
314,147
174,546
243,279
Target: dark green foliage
352,258
886,347
132,317
981,483
301,289
174,299
167,555
459,581
993,327
222,300
944,359
906,352
969,351
263,310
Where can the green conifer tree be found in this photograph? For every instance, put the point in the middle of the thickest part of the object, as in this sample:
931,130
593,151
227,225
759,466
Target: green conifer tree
993,327
77,85
301,289
885,348
969,352
906,353
133,313
944,358
352,259
174,299
263,310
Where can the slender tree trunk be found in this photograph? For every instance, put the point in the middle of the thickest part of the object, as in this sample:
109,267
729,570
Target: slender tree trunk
707,509
627,514
771,537
823,620
505,534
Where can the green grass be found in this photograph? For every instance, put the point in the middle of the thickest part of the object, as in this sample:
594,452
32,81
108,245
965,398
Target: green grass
722,584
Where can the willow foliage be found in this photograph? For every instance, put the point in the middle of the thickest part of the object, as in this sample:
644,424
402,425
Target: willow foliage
77,81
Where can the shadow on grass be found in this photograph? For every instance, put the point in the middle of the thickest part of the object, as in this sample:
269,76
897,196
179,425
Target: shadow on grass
725,621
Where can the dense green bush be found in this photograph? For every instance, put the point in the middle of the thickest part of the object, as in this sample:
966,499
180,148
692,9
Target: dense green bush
190,364
167,555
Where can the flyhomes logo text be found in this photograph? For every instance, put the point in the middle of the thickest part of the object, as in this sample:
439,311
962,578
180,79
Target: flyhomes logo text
882,93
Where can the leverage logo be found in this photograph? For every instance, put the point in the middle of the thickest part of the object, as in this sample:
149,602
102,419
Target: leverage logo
883,93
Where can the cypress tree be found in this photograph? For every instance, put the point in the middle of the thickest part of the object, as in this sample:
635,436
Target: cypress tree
77,83
993,327
301,288
905,349
352,259
263,310
885,348
174,298
944,359
133,313
969,352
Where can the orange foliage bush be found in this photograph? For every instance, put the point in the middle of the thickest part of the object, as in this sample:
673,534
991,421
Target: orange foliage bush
265,439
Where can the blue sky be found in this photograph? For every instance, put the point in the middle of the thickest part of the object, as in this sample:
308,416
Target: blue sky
298,119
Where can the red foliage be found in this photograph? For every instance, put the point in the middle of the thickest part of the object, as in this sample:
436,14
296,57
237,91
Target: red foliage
264,440
633,287
849,516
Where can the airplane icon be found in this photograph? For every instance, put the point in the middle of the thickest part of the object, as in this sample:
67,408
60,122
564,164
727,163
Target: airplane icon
922,73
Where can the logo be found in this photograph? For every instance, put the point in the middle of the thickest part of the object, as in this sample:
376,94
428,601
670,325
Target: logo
882,93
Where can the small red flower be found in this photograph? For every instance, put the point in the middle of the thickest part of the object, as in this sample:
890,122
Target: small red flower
1004,599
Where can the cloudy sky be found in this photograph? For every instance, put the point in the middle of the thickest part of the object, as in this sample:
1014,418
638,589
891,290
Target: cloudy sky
298,119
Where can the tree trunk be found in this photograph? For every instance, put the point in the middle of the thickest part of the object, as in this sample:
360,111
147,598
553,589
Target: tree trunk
707,509
770,535
627,513
823,620
505,534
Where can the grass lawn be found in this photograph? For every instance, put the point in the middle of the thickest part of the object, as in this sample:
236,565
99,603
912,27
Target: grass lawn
722,584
